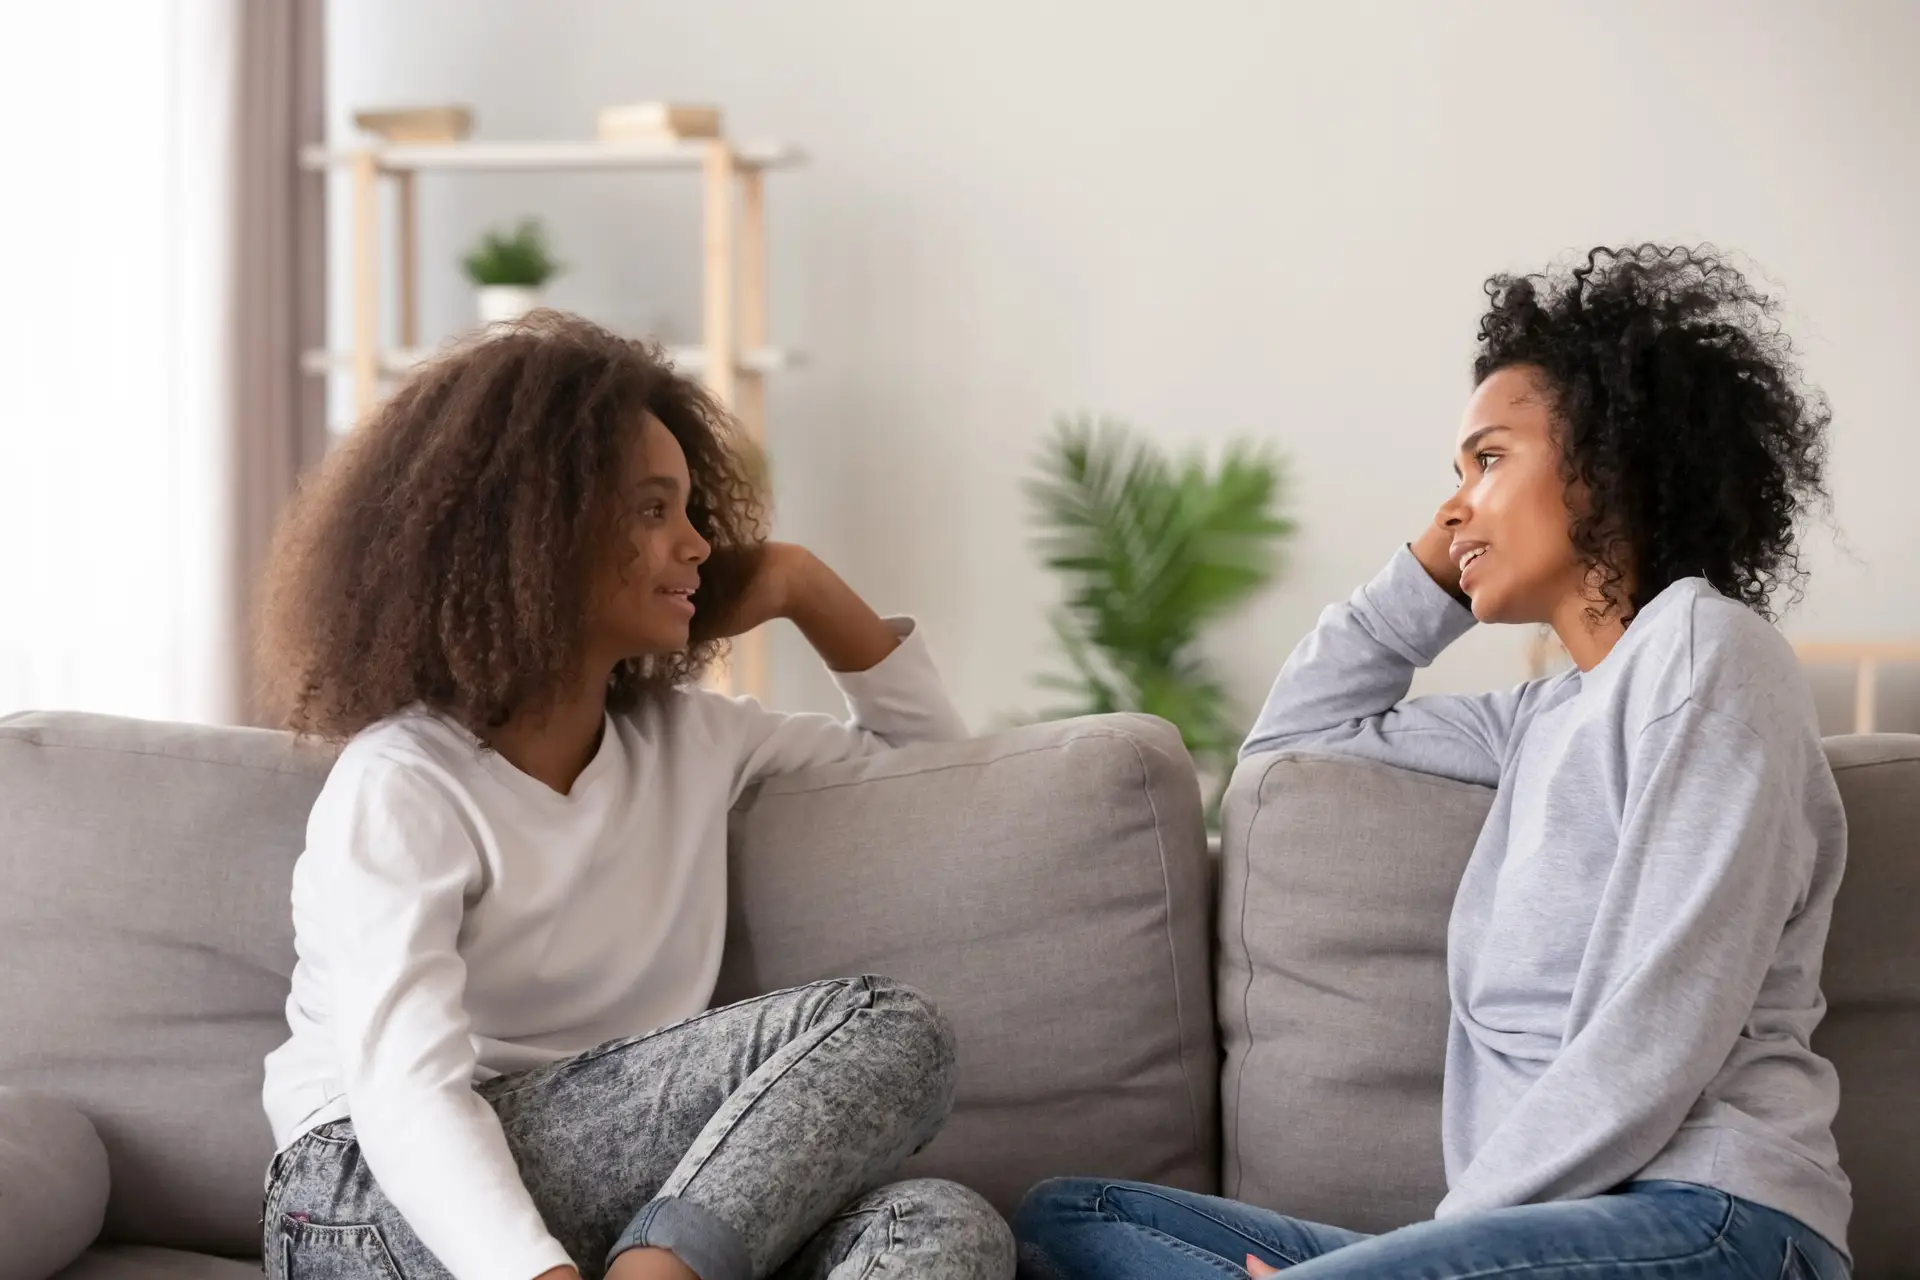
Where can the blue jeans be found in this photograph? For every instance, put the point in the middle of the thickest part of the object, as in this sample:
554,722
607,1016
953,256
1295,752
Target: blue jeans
1088,1229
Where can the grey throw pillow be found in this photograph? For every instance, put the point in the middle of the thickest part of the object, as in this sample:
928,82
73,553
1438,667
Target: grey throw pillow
53,1184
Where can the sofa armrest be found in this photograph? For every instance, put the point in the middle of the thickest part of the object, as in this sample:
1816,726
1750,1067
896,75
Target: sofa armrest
53,1184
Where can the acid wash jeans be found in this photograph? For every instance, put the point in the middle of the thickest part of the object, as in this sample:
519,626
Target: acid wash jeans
752,1141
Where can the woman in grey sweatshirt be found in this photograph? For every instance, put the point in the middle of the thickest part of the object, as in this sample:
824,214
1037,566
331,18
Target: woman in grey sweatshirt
1635,948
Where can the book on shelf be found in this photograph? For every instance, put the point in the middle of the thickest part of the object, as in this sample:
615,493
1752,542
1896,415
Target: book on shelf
658,122
416,124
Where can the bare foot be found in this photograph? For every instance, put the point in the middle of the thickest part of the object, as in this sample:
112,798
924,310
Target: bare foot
649,1264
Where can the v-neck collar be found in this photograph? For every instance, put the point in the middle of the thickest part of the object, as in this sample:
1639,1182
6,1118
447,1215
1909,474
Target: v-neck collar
534,789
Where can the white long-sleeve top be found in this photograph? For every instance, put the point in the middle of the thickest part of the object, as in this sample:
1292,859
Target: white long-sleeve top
456,919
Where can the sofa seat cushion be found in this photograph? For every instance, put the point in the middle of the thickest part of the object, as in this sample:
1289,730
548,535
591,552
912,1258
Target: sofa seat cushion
138,1262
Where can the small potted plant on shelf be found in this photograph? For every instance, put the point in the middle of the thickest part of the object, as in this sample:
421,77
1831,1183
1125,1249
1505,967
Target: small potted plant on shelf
509,269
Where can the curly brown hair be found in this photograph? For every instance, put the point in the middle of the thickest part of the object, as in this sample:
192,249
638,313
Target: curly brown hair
444,553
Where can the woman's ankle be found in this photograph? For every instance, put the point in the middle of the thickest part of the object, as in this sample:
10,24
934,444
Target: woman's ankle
650,1264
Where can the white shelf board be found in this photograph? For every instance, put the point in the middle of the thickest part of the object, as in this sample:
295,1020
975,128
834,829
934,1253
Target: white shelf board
508,156
692,360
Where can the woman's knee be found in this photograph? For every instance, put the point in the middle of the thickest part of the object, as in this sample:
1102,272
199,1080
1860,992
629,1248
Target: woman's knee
1057,1201
969,1231
913,1043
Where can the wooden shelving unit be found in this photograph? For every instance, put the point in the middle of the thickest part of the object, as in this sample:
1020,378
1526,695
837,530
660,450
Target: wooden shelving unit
1866,657
395,361
734,356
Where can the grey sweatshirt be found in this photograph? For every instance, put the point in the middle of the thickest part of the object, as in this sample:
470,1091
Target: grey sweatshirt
1634,954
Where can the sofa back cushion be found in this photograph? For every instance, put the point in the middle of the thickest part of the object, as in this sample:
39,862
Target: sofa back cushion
1336,883
1872,982
1049,889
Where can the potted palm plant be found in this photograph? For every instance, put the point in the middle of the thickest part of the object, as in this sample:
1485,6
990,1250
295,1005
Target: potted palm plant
509,269
1154,549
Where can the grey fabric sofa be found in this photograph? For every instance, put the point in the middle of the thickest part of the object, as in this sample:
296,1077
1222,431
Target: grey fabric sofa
1271,1027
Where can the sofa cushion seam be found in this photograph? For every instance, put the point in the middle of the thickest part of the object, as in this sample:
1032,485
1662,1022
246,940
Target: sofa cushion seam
1858,765
1173,951
768,792
1246,952
43,745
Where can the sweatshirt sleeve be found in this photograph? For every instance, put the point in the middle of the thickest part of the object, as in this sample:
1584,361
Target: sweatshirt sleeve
1715,856
900,700
392,865
1344,689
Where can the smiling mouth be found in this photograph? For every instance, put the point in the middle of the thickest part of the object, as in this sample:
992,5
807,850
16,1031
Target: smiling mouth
1471,557
681,596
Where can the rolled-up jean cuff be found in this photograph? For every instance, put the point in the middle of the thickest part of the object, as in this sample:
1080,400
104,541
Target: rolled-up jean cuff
709,1246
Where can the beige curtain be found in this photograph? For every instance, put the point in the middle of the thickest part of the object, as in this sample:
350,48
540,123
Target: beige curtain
275,416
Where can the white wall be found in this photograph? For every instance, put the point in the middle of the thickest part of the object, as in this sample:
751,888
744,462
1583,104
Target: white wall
1216,218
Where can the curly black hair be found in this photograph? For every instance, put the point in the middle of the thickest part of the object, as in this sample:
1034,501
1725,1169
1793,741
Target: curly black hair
1683,418
443,554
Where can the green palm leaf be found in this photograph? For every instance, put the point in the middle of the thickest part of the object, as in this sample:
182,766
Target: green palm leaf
1151,549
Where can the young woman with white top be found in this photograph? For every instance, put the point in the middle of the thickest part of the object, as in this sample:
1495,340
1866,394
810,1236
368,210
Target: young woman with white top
510,911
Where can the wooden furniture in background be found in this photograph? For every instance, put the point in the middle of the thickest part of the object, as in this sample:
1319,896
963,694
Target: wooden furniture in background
1866,658
733,357
1544,653
658,122
416,124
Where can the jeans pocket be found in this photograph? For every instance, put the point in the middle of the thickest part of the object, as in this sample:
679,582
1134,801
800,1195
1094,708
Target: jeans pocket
1798,1266
313,1251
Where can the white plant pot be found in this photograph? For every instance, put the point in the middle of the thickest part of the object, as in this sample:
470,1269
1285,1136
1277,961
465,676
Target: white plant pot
506,301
